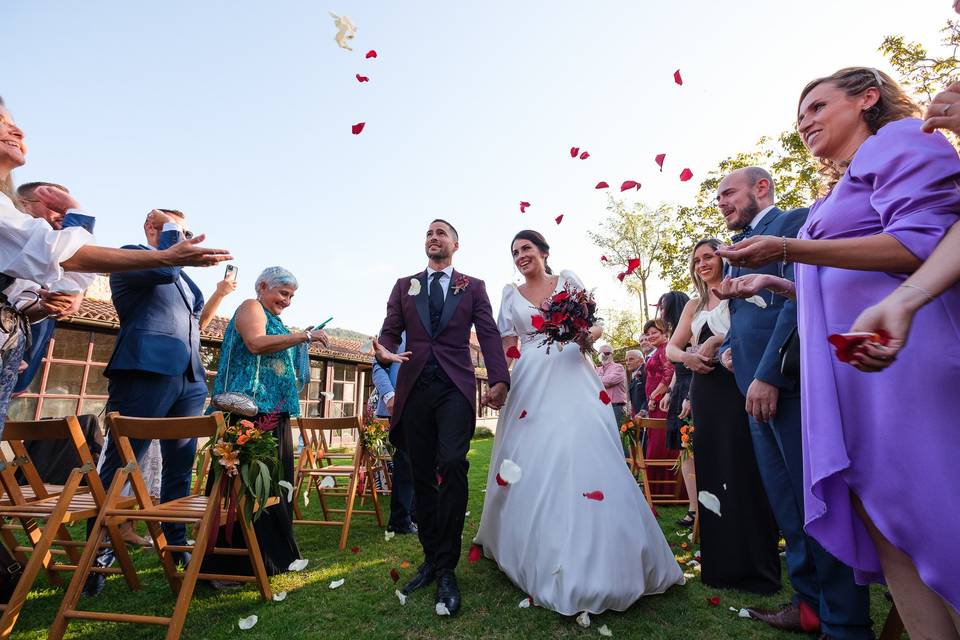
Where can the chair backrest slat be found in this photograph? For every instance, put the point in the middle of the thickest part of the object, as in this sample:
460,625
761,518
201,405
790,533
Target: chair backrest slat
164,428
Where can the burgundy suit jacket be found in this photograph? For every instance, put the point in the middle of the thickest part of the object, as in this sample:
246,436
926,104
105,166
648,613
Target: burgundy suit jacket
451,343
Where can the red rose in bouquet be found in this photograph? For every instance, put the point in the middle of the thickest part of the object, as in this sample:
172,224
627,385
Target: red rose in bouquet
566,317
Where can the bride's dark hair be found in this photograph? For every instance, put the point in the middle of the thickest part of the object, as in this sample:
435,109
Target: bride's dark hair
538,241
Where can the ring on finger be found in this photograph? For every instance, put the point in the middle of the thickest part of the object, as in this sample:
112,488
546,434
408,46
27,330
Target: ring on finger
946,108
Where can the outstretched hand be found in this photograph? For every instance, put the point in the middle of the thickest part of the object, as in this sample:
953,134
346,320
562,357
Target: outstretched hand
495,397
752,284
753,252
189,253
386,357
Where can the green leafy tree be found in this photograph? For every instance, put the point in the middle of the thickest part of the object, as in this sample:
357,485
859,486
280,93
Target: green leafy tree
622,328
922,73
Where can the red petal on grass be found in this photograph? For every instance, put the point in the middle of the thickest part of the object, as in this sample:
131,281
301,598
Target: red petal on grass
523,414
354,549
574,152
677,77
394,575
474,555
513,352
501,481
523,206
357,128
632,265
604,398
594,495
629,184
361,78
373,54
537,322
602,185
714,601
584,155
559,218
660,158
685,175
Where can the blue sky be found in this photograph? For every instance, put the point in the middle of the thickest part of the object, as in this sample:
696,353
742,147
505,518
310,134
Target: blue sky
239,113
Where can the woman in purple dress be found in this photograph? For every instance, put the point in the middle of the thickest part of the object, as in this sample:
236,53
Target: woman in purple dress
879,450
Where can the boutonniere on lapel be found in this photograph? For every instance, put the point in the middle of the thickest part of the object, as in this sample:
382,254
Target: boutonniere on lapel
462,283
414,289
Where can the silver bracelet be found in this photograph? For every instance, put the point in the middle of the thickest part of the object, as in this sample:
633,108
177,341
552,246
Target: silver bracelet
785,249
921,290
309,336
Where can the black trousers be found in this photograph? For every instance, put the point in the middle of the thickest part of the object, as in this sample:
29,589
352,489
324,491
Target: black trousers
438,424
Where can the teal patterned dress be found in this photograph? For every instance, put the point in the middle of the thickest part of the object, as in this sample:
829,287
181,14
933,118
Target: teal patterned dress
274,381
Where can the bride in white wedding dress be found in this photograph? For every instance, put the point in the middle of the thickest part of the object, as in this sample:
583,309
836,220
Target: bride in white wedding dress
548,532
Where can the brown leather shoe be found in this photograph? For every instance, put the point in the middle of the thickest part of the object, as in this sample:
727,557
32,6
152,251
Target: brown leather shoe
788,618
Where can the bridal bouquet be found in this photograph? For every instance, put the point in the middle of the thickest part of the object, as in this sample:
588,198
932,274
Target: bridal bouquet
566,317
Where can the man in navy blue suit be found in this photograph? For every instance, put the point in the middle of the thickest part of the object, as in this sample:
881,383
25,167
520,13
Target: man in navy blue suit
155,370
825,589
402,518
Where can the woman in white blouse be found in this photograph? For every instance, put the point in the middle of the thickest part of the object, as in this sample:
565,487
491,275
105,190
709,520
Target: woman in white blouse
34,255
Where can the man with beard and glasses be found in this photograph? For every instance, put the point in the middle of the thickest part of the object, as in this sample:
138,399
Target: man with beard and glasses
826,594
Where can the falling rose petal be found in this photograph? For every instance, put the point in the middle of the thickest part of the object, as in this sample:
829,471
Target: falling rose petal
357,128
289,487
709,501
523,206
361,78
373,54
559,218
685,175
602,185
442,610
394,575
280,597
677,77
584,155
629,184
714,601
404,565
621,276
501,481
525,603
401,597
336,584
513,352
603,259
537,322
574,152
594,495
510,471
306,498
414,289
248,623
388,536
604,397
632,265
523,414
474,554
298,565
660,158
466,515
583,619
354,550
605,631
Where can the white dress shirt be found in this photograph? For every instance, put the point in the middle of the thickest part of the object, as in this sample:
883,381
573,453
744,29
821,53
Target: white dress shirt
757,218
31,251
444,279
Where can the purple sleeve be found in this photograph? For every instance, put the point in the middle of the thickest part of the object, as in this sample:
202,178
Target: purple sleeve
915,179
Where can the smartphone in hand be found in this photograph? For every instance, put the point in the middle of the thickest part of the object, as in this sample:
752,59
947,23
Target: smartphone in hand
230,273
323,324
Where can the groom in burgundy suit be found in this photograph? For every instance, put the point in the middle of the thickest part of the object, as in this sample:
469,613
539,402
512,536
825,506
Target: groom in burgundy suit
435,410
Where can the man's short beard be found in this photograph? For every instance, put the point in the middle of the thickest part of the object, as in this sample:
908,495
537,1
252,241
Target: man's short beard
442,255
747,214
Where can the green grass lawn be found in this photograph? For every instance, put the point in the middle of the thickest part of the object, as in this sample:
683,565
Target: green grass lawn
366,607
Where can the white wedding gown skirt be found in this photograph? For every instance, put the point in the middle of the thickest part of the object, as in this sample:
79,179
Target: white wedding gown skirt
567,552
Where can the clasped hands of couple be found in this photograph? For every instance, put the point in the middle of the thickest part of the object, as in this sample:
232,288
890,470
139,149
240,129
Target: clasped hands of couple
494,397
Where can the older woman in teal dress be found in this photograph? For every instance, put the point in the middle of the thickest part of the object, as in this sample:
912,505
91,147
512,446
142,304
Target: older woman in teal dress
263,359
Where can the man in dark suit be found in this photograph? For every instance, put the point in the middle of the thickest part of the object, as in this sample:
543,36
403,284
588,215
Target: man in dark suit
434,410
155,370
637,374
826,595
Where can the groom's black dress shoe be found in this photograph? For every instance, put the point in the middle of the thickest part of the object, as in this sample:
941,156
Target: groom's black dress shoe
425,575
448,592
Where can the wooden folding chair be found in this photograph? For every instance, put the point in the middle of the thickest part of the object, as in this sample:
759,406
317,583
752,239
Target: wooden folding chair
56,506
319,463
667,491
192,509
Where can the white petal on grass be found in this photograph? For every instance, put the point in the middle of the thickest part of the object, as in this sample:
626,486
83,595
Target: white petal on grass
280,597
524,604
510,471
583,619
605,631
466,515
306,498
328,482
289,487
414,289
247,623
709,501
298,565
401,597
689,576
442,610
336,584
743,613
388,536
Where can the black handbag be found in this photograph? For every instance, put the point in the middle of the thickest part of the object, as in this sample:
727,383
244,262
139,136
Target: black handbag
790,356
10,572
